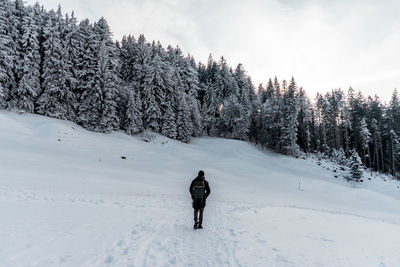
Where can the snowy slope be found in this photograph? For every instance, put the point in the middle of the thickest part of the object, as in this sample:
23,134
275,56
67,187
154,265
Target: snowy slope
67,198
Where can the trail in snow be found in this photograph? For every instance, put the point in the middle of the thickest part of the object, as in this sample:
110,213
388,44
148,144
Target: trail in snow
158,232
171,240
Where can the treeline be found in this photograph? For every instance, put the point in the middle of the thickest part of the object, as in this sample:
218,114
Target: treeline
337,125
51,64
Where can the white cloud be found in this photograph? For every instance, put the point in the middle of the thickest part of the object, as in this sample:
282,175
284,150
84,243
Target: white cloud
323,44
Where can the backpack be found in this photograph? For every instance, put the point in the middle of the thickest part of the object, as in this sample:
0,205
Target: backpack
198,190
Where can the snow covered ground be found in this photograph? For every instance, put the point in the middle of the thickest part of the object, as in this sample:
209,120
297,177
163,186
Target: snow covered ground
67,198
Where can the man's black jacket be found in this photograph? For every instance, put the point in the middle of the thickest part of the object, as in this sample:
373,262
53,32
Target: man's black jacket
197,204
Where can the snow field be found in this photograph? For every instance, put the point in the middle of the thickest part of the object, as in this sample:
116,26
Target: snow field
67,198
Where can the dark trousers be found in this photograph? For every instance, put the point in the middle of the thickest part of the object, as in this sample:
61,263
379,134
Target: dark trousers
198,216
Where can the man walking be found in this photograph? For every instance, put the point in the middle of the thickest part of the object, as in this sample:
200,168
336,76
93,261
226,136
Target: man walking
199,190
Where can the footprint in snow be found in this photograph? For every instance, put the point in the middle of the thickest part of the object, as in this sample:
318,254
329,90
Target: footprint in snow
232,232
328,240
109,259
261,241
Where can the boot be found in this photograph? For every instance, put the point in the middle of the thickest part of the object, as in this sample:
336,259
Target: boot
199,226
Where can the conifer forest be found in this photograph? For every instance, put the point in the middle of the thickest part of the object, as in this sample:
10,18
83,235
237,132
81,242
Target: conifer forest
54,65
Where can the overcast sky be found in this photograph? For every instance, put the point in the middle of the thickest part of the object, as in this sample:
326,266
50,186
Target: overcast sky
324,44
